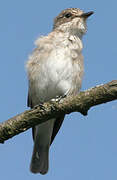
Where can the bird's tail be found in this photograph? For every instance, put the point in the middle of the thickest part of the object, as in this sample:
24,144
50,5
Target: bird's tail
42,139
40,161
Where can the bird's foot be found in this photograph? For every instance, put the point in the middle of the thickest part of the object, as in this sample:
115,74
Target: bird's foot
39,105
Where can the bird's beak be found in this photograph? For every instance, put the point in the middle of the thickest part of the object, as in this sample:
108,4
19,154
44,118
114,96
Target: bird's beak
87,14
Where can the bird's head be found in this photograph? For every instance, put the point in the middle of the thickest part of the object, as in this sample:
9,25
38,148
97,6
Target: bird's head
72,20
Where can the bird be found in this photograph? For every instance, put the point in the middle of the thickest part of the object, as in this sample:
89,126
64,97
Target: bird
55,69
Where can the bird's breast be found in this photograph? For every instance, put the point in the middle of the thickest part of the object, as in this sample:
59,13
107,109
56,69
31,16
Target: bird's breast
60,73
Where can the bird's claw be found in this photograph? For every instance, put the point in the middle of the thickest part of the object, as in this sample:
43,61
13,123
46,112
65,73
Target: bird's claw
39,105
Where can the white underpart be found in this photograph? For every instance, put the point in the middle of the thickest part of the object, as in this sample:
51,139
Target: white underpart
55,75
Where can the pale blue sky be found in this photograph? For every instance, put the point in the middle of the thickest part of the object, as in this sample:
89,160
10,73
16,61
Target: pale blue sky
86,147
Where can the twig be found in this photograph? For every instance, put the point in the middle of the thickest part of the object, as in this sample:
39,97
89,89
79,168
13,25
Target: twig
42,113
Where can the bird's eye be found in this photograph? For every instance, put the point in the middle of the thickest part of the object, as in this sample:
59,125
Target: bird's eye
68,15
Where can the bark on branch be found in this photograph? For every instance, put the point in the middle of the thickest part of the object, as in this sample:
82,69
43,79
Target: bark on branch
80,103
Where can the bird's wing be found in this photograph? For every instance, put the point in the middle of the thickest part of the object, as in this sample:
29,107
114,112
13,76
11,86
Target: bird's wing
29,101
29,104
57,126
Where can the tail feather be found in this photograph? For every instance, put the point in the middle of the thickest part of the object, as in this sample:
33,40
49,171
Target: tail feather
40,161
42,138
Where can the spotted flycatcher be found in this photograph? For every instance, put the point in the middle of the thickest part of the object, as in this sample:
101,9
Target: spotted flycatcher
55,69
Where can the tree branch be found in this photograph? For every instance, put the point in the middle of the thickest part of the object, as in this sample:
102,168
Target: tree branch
42,113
